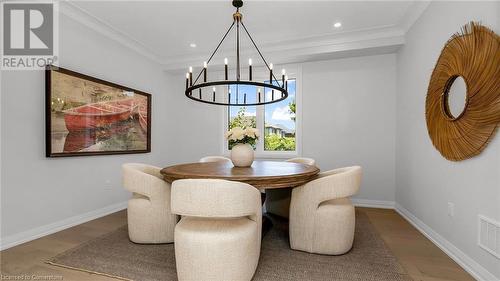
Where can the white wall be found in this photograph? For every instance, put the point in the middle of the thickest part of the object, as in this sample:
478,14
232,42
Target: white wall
426,182
38,191
348,118
195,128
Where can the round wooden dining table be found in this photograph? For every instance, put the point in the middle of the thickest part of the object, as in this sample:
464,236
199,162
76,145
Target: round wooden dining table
262,174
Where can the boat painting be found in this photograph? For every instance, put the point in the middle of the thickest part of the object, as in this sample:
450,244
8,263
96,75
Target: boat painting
143,116
99,115
89,116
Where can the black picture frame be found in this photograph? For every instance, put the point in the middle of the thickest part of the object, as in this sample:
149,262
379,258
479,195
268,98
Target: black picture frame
48,115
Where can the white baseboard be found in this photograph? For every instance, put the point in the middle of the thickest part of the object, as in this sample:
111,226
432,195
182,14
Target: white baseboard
32,234
466,262
373,203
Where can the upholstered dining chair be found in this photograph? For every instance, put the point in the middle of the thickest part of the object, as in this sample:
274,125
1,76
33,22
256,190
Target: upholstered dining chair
278,200
148,212
218,237
322,216
215,159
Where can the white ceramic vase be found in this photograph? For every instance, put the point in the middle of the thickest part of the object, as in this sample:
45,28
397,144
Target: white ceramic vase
242,155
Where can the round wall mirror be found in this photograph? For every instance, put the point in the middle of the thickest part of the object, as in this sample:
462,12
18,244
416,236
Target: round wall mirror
456,98
461,107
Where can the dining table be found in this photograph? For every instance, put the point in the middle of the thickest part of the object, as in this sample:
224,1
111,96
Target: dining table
261,174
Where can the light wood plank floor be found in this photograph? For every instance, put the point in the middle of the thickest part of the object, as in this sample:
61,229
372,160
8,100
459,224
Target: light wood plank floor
420,257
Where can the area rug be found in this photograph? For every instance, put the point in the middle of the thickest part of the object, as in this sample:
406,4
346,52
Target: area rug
115,256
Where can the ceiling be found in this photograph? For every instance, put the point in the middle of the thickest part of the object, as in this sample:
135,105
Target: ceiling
164,30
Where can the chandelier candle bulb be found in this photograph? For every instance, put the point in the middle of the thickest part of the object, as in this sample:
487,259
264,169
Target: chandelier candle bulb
187,80
283,78
286,82
225,68
190,76
204,71
250,69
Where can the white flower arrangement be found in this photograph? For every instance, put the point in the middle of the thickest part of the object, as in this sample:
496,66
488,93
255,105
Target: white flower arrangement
239,135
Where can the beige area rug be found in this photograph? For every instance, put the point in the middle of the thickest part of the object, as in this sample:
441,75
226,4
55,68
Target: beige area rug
114,255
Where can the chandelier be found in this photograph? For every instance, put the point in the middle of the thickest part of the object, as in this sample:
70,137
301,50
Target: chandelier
235,92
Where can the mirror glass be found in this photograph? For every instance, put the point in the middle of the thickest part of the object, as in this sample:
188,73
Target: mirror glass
457,97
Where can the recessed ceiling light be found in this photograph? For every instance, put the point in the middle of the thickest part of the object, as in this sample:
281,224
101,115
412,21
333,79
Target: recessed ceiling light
337,24
192,45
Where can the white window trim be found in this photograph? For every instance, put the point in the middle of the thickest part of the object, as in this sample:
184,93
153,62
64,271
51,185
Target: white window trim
293,71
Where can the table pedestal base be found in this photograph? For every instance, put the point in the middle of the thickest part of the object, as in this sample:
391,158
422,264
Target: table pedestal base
267,224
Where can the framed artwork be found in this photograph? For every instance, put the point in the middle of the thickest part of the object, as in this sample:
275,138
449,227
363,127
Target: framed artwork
89,116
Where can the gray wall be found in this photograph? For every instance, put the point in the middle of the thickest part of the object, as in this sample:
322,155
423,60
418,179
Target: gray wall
426,182
37,191
348,118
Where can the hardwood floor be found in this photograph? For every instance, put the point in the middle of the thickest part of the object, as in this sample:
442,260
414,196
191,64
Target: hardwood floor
420,257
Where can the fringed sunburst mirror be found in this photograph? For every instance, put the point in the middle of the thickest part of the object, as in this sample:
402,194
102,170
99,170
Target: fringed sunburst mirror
474,56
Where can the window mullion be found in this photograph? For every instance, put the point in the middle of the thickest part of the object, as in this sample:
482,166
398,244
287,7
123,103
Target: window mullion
260,126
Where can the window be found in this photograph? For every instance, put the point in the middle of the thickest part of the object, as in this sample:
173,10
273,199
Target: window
278,123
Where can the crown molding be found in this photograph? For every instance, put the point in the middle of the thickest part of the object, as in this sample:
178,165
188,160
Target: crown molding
377,40
72,11
413,14
362,42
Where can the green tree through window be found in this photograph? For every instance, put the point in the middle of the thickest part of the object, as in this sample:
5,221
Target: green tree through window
279,128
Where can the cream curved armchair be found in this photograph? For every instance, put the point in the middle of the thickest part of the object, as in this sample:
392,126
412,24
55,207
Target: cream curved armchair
218,237
215,159
148,212
278,200
322,216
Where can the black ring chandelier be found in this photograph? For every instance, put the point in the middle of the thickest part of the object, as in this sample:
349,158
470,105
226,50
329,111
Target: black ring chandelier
197,90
